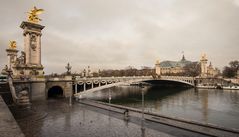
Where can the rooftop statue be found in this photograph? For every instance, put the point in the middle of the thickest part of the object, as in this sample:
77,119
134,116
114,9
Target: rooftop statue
33,15
158,61
204,57
12,45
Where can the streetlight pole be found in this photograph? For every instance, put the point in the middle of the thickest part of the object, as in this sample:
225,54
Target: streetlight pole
109,97
142,121
68,72
70,101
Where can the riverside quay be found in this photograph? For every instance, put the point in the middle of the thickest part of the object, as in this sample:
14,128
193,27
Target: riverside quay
170,99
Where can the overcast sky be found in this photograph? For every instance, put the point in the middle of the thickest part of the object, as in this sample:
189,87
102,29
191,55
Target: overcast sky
119,33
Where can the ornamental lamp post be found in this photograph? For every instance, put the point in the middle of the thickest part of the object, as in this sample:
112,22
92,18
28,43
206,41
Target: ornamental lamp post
68,68
109,96
142,120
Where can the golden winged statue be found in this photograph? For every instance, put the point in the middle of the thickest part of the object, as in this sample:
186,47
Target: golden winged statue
12,45
33,15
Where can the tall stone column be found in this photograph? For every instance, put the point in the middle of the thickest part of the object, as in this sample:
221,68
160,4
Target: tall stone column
32,47
203,62
39,49
157,68
26,47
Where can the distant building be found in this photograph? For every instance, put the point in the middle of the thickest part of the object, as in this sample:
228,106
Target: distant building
207,71
178,67
211,71
171,67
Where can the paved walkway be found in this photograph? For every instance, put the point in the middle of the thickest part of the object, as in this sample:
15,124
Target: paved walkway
54,118
8,125
196,127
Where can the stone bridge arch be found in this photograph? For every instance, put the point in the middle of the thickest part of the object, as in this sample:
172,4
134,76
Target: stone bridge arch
185,83
55,91
65,86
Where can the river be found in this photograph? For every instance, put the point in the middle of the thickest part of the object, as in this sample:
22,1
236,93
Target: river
219,107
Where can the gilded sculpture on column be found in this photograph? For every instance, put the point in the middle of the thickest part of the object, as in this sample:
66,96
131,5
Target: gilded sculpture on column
33,15
12,44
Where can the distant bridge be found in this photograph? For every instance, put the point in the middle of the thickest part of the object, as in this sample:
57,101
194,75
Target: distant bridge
43,88
65,85
99,83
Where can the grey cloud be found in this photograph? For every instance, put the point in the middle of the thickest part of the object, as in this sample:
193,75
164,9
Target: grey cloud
118,33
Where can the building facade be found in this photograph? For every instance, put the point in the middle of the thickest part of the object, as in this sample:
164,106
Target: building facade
207,71
178,67
171,67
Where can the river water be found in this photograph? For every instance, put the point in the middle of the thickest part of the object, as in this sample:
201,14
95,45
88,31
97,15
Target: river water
219,107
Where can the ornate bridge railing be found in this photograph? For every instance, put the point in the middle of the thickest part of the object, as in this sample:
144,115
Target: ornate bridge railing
99,83
186,80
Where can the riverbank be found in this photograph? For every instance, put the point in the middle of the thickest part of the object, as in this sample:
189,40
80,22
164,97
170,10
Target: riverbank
8,125
192,126
56,118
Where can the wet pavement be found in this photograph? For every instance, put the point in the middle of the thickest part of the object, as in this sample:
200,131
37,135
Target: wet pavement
55,118
8,125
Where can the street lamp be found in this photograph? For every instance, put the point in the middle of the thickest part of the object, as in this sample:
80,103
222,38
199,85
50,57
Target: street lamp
142,120
109,96
68,72
68,68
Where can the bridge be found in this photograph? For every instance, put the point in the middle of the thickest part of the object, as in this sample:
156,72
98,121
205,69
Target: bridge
91,85
67,85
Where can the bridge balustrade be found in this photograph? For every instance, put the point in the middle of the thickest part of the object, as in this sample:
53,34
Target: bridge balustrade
107,81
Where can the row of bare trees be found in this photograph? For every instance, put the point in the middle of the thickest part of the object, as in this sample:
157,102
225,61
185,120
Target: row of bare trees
192,69
129,71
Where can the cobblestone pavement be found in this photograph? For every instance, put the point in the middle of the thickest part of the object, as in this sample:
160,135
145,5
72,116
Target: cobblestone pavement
55,118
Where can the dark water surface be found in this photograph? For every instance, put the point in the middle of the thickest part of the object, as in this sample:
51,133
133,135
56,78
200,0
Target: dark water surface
220,107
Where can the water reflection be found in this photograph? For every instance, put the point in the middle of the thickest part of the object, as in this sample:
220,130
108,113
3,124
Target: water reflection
209,106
